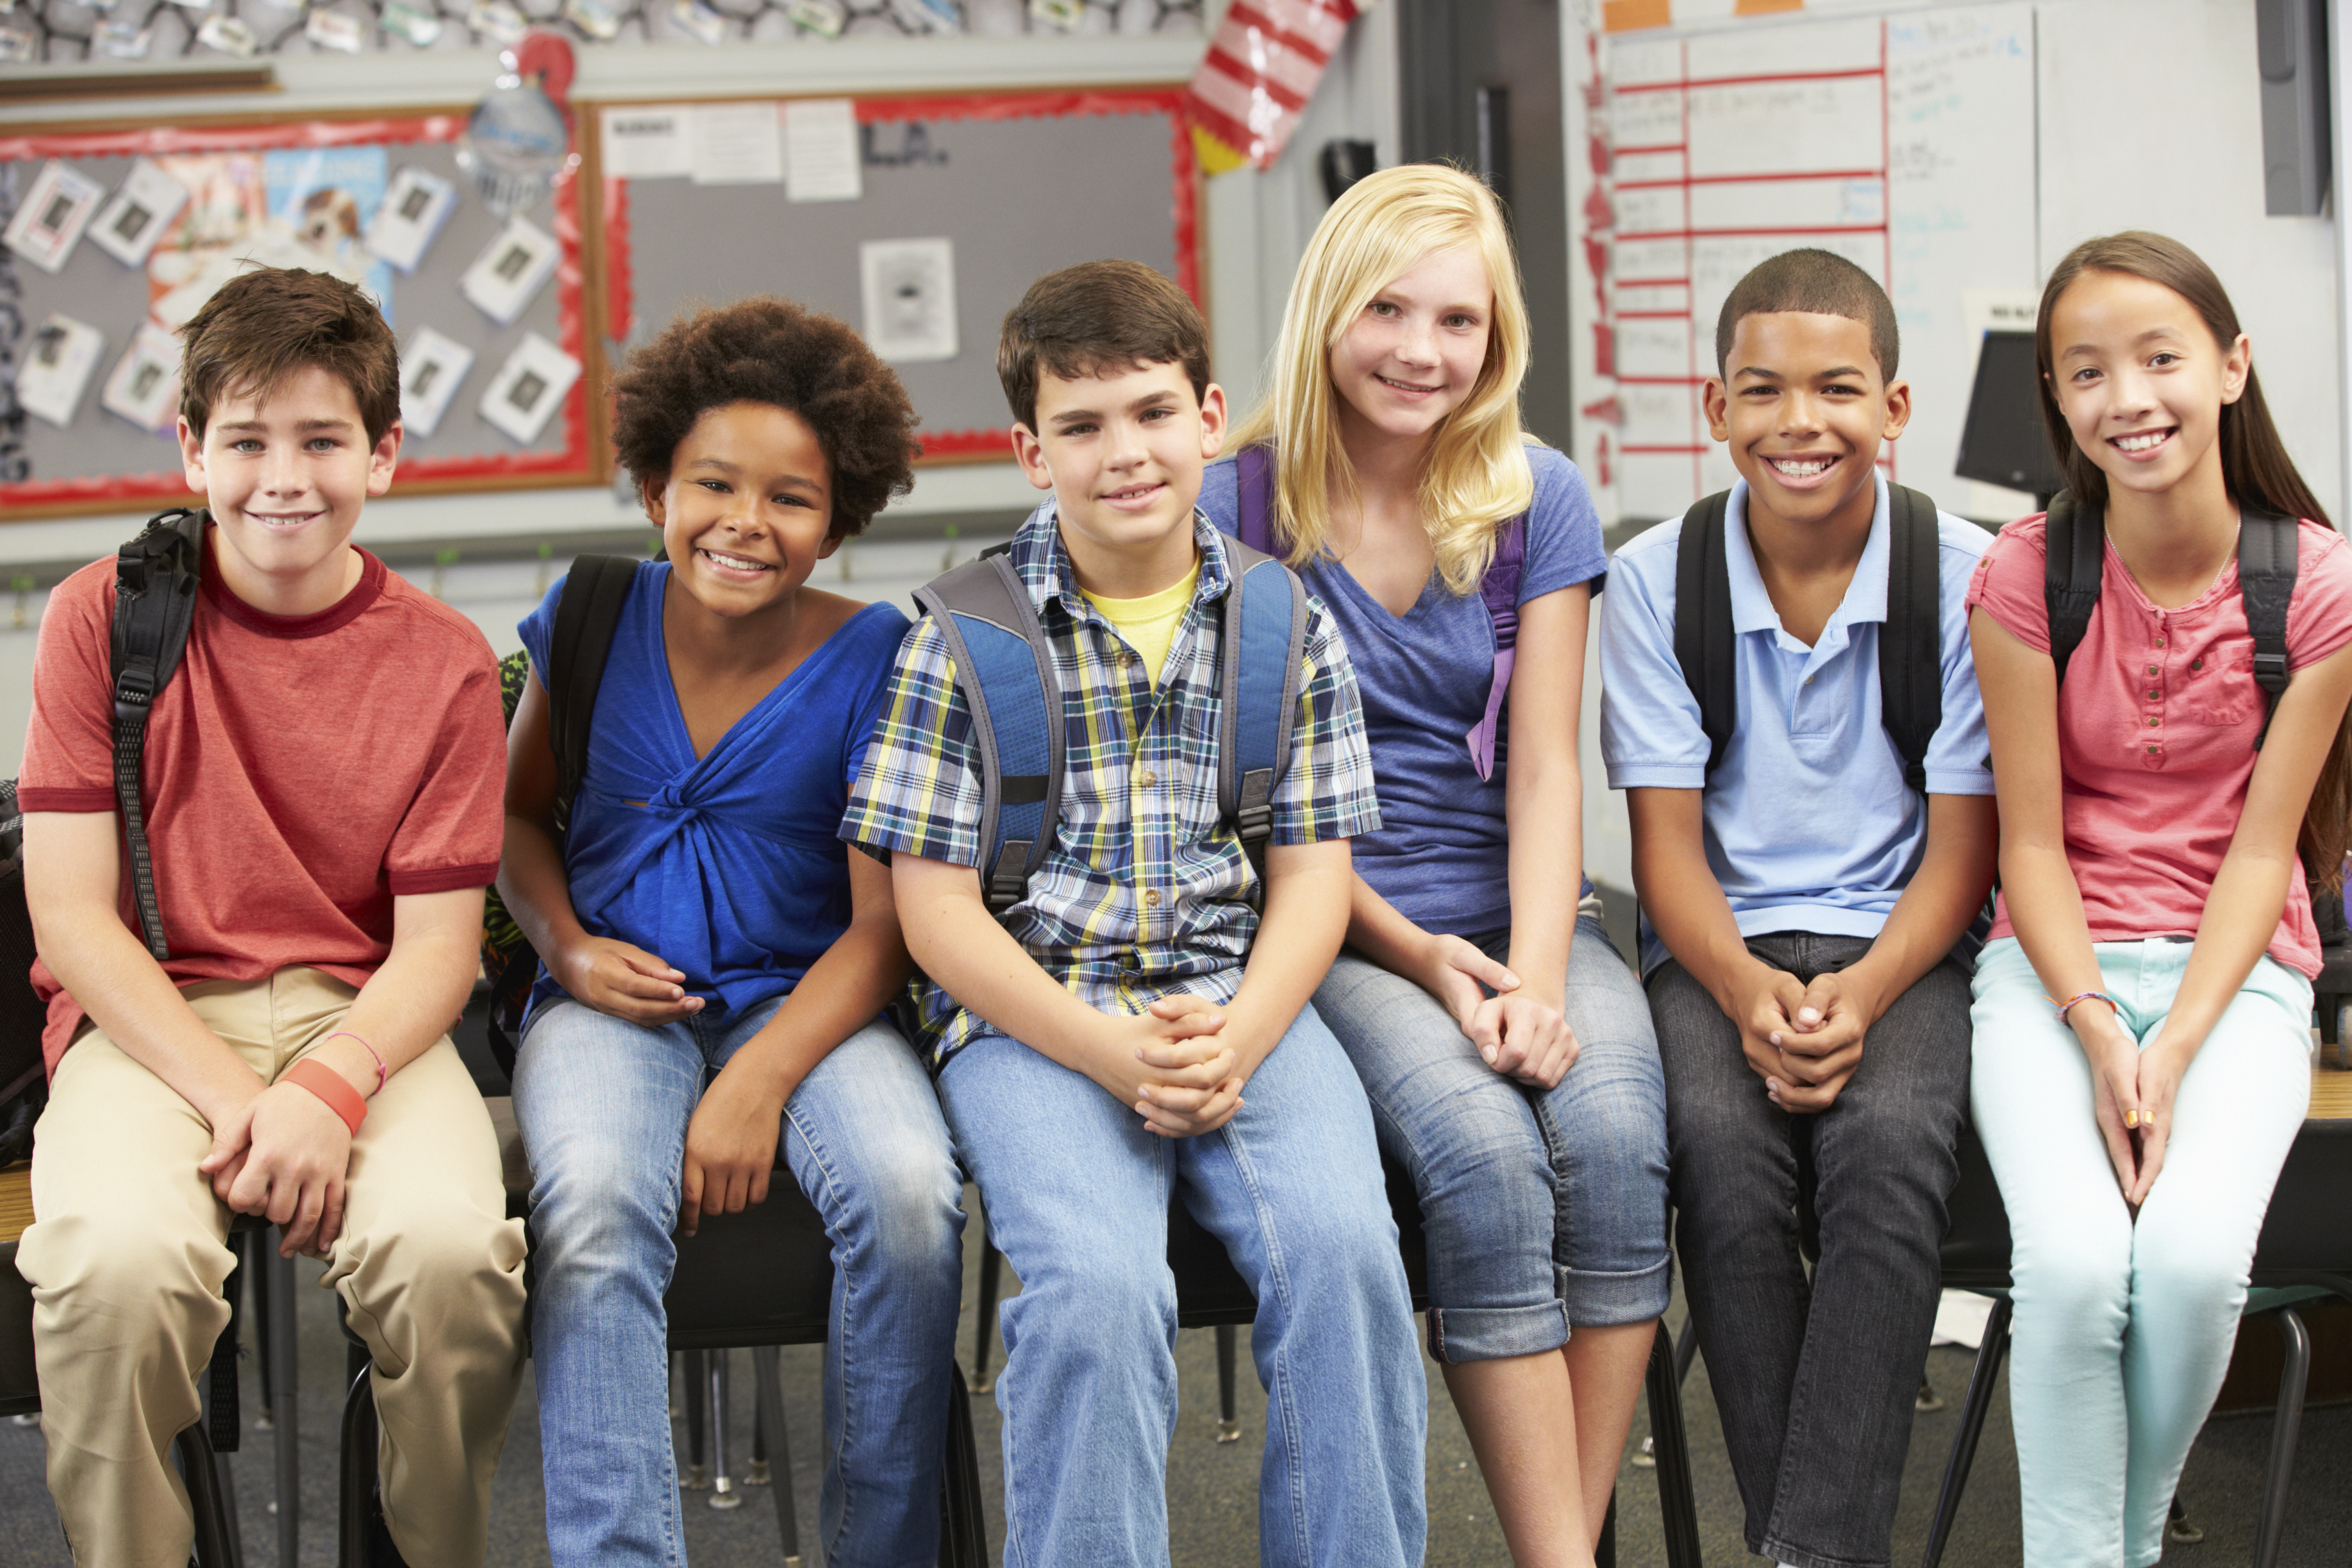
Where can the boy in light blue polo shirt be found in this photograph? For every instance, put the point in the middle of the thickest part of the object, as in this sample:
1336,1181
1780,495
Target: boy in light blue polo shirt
1806,914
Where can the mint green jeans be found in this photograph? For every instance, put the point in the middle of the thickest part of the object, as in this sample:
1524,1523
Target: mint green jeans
2124,1327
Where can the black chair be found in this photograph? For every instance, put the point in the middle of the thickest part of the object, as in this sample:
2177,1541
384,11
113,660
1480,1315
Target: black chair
1210,1294
2305,1254
757,1280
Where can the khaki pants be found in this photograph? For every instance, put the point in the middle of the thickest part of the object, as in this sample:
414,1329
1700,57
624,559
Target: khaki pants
127,1261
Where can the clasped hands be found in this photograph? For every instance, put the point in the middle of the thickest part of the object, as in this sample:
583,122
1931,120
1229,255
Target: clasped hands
1517,1035
1176,1065
283,1154
1804,1040
2133,1091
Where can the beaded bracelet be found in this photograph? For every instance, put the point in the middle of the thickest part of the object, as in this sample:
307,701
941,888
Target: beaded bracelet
2068,1005
380,1073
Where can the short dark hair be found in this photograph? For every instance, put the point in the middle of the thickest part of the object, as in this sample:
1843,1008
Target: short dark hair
771,350
1818,283
1094,317
262,326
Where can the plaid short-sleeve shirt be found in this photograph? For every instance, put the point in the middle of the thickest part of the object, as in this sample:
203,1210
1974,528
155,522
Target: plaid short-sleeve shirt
1146,891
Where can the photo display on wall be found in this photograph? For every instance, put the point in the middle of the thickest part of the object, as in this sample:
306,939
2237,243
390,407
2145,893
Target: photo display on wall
171,213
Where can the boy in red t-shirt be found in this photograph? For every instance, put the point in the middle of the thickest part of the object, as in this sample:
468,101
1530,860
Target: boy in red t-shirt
323,794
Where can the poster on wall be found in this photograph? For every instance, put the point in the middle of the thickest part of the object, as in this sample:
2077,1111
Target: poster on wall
64,355
411,218
295,207
431,367
145,386
49,220
910,297
529,388
130,224
511,271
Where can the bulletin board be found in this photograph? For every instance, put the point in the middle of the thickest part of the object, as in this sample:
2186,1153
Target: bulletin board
1016,184
292,192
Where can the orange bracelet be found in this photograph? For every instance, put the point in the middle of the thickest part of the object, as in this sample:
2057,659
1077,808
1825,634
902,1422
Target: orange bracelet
331,1087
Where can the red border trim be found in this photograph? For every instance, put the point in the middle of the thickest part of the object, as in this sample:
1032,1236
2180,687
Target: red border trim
574,462
1184,211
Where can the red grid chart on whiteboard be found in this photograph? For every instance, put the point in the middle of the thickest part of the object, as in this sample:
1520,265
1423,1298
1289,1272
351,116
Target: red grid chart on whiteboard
1710,155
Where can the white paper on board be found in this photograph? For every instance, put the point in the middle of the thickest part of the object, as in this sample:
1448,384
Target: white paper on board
128,227
909,287
49,220
145,386
431,368
529,388
512,270
821,152
735,144
416,206
648,142
58,366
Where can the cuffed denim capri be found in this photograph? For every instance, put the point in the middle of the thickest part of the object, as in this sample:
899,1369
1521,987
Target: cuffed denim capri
1546,1210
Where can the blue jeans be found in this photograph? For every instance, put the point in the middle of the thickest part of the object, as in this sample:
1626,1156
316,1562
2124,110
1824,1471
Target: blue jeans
2124,1326
1077,1194
604,1106
1544,1209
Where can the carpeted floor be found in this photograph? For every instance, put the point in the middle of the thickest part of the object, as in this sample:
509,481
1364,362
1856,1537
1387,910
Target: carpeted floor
1211,1487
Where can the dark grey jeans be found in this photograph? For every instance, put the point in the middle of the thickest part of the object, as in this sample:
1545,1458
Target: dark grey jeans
1815,1379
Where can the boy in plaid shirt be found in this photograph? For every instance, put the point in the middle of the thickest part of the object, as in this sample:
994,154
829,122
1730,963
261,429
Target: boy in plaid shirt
1147,957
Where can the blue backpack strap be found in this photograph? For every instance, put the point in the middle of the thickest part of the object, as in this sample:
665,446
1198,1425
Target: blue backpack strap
1265,643
2267,546
1253,520
1005,670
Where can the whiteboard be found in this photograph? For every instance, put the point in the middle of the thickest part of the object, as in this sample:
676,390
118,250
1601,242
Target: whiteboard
1904,143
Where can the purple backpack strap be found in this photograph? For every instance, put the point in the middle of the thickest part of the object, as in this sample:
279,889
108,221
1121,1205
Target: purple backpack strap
1500,590
1254,525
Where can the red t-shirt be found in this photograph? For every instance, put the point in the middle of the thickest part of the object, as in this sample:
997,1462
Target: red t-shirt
2156,729
301,773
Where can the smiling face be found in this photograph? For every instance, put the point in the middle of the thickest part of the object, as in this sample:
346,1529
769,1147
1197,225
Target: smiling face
2141,381
1122,452
1413,354
285,478
1803,407
746,512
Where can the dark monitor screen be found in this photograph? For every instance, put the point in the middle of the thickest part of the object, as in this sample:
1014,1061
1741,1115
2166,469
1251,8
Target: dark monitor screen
2002,443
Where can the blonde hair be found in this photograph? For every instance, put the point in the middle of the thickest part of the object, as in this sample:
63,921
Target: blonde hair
1475,476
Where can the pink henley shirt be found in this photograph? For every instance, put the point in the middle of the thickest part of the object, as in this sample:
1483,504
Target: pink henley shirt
2157,726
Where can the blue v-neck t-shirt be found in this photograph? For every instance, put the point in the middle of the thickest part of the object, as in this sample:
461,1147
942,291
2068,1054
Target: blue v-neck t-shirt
1442,853
728,867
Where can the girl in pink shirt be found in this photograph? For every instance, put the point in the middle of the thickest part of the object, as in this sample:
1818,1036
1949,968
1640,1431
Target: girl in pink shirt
2142,1016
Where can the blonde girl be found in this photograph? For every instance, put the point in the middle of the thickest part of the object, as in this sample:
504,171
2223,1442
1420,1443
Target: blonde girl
1506,1048
2142,1015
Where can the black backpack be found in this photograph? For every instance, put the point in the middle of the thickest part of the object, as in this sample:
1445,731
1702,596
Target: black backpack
155,578
1910,645
586,615
2077,540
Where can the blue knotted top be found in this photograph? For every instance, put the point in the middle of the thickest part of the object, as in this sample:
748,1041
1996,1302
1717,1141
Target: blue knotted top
727,867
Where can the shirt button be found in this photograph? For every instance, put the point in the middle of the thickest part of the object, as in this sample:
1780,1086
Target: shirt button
2196,664
2151,696
1149,778
1126,659
2152,723
2151,668
1151,895
2160,642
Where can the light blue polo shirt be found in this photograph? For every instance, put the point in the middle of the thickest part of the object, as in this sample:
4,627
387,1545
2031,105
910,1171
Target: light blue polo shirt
1810,826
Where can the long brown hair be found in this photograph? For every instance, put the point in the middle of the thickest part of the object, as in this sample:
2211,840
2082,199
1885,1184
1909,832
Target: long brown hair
2255,468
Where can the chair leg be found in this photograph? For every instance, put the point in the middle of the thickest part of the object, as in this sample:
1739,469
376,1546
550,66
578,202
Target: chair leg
285,1422
253,1266
768,1396
357,1472
216,1542
983,1328
698,1471
963,1528
2284,1428
755,1474
723,1494
1678,1502
1229,1426
1604,1551
1686,1351
1979,1400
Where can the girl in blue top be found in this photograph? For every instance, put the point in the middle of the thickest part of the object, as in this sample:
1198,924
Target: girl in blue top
1506,1046
700,918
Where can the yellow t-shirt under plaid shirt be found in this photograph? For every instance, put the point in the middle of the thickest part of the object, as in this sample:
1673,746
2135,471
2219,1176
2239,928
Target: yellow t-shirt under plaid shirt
1149,625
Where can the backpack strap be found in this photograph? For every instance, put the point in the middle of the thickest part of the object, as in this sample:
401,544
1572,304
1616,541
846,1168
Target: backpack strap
1253,520
2267,547
1911,643
155,578
1005,671
1703,640
586,616
2076,546
1499,587
1258,666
